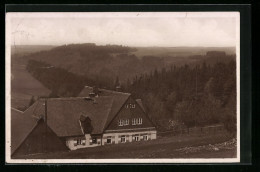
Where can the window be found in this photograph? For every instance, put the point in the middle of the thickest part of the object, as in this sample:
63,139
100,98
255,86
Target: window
133,121
127,122
145,137
120,122
131,105
123,140
79,142
126,106
94,140
136,138
109,139
139,121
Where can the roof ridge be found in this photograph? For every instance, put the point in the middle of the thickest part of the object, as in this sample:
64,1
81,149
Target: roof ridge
112,91
110,109
77,98
17,110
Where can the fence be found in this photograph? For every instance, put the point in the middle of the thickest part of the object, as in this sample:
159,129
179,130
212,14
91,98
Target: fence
194,131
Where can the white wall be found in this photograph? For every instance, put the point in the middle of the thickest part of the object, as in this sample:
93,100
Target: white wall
116,139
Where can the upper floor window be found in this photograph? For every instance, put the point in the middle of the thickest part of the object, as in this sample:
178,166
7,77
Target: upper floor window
127,122
130,106
133,121
121,122
140,121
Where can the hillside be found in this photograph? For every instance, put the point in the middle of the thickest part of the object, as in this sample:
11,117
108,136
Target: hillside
111,61
179,51
27,49
23,85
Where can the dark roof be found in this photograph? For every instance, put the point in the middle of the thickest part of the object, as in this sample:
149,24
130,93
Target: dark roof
63,114
119,98
21,126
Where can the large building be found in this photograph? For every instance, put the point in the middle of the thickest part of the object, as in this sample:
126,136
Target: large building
96,117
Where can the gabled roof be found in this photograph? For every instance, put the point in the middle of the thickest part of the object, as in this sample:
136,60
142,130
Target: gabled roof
21,126
119,98
63,114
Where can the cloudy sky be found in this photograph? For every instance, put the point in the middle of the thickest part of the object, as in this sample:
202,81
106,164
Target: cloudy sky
130,29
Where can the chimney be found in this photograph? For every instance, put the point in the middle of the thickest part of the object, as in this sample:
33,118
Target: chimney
118,88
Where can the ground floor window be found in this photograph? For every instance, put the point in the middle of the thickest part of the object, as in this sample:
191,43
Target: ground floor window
136,138
145,137
123,139
79,141
109,139
94,140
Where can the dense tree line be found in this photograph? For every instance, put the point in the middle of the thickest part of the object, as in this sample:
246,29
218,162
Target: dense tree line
61,82
192,95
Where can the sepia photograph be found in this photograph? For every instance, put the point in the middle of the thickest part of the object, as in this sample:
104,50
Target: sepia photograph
122,87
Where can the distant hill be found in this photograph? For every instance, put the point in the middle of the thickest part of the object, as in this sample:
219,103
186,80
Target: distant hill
180,51
27,49
125,62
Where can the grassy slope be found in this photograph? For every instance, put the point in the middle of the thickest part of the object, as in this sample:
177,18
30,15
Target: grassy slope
23,85
163,147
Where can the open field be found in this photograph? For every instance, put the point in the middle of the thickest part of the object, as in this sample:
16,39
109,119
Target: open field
24,86
219,145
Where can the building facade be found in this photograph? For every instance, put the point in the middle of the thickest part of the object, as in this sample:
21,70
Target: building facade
129,124
96,117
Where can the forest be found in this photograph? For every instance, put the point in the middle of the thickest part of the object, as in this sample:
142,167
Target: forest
191,95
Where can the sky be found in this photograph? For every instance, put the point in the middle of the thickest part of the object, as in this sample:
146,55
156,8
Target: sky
128,29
